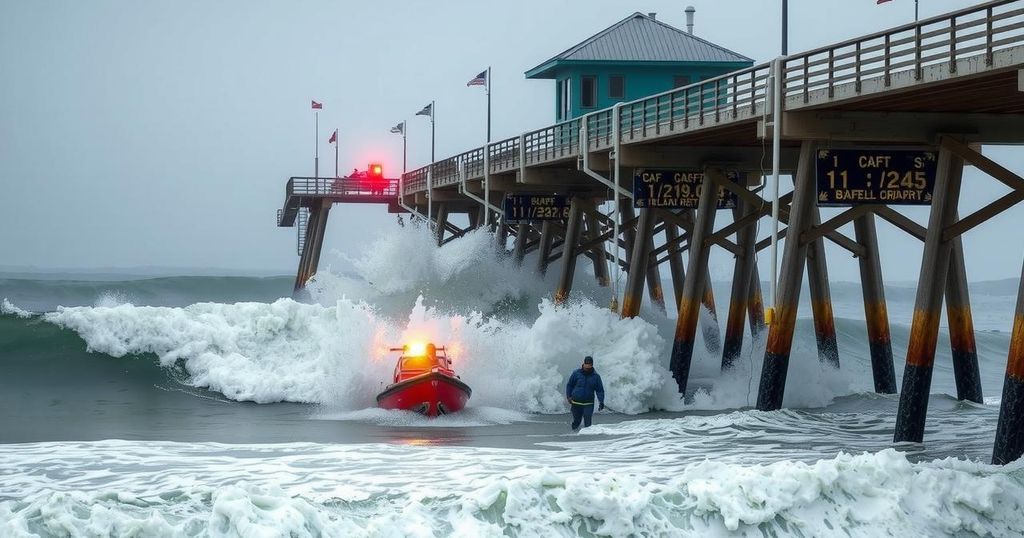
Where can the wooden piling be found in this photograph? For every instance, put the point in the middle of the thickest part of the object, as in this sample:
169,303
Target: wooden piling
794,256
544,247
876,314
741,279
442,220
821,298
638,262
924,329
693,287
961,328
598,252
1009,442
572,240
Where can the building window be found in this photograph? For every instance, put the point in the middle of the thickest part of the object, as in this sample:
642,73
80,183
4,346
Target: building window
679,81
588,95
617,87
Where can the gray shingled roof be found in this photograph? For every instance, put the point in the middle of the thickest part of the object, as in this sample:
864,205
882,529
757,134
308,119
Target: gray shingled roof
640,38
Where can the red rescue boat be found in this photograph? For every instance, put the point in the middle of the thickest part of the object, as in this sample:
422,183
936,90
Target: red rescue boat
424,382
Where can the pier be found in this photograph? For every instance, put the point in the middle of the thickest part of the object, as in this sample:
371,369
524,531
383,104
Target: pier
866,125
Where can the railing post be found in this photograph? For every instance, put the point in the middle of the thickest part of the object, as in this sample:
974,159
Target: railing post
718,115
917,52
735,100
753,91
700,95
857,69
888,60
988,37
807,79
952,44
831,73
672,111
686,108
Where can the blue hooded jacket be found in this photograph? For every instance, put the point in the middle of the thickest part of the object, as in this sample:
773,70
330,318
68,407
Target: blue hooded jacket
582,386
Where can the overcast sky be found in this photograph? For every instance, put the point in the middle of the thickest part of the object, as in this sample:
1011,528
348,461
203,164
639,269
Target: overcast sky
162,133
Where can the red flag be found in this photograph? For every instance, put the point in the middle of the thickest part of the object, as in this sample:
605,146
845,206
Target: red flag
317,106
334,137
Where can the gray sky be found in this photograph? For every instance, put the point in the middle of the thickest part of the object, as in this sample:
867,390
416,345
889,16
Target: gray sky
161,133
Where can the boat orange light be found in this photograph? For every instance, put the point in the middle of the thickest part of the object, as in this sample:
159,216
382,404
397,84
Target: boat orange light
416,349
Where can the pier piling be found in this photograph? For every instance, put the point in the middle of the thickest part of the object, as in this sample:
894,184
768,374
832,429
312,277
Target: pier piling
924,329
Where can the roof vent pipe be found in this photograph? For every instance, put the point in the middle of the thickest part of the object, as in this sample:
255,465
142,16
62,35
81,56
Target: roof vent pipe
689,19
652,15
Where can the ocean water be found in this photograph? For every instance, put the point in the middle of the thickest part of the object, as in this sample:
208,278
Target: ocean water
214,406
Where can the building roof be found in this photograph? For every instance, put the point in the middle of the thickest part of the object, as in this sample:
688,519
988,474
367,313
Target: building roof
640,38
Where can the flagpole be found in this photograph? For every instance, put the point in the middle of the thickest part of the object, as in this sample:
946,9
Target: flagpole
432,111
336,144
403,146
915,10
488,104
316,145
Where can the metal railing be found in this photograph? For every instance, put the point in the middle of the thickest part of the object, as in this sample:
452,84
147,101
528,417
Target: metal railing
322,186
837,71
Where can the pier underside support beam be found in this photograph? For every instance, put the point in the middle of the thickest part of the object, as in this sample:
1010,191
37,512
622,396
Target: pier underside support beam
675,262
598,253
755,304
473,216
780,333
693,287
572,239
315,230
821,298
523,232
924,329
709,323
442,223
876,314
654,287
501,236
544,247
639,260
1009,442
961,327
741,282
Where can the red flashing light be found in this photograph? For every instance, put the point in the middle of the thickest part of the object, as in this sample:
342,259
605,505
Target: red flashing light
376,170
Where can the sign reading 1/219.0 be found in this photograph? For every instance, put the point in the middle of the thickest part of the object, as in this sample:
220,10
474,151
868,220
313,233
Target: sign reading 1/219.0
530,207
849,177
675,189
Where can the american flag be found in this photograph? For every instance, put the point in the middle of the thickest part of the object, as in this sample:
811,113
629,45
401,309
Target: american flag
334,137
399,129
317,106
881,1
479,80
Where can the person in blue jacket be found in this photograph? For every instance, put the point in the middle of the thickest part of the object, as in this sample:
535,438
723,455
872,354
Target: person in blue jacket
580,390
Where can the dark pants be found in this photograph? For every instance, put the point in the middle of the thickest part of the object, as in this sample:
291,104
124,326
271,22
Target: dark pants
582,412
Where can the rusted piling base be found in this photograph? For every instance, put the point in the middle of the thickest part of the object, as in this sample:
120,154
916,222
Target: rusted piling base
741,280
755,304
961,328
876,314
1009,443
693,287
821,299
675,262
924,329
654,288
780,334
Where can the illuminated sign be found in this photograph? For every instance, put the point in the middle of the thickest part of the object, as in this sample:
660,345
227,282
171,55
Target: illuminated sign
849,177
531,207
675,189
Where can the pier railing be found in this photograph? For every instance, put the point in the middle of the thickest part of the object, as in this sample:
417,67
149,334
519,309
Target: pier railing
895,57
329,186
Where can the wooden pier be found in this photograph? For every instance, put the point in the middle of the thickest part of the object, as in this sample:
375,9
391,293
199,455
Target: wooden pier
942,87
